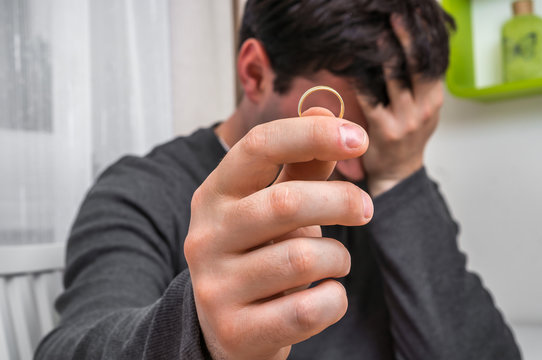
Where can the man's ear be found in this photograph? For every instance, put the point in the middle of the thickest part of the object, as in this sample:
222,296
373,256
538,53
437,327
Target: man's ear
254,69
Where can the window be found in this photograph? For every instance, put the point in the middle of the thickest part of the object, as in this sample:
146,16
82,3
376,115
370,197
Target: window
82,83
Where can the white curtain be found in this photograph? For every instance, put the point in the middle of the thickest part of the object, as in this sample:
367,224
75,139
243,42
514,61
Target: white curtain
131,77
82,82
204,54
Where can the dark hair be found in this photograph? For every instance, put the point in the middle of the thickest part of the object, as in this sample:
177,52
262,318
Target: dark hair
349,38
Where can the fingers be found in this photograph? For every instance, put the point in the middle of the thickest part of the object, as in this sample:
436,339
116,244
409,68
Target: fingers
400,96
314,231
282,266
427,94
253,163
379,118
424,90
404,38
296,317
407,107
309,171
284,207
312,170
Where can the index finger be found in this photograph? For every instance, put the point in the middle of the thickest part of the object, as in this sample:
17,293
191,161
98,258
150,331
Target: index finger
420,86
253,163
312,170
405,39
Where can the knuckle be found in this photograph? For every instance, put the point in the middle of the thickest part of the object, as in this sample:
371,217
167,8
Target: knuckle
300,257
255,140
195,244
227,333
344,259
205,293
439,100
353,201
347,261
245,209
341,299
405,97
392,136
411,127
305,315
438,94
189,248
284,201
427,113
197,198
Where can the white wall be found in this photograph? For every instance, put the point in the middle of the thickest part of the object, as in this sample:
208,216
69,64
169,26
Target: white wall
487,158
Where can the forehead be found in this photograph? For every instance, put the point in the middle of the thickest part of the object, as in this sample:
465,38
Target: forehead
287,104
324,98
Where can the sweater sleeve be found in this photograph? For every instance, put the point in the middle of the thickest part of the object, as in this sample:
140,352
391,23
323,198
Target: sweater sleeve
128,294
438,310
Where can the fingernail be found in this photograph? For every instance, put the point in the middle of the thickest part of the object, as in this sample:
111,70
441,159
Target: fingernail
368,209
352,135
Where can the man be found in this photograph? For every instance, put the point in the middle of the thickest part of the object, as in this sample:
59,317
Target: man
245,201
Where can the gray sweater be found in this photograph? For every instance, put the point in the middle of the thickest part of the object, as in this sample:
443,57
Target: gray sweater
129,295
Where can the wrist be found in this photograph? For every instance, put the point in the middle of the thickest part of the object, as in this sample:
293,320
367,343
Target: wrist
378,185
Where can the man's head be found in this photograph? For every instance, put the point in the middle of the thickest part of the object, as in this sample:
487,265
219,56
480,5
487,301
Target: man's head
287,46
348,38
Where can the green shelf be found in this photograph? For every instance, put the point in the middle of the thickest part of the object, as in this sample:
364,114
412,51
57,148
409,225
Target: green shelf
460,78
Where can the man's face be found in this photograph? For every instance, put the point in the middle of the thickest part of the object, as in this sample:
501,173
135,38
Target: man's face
277,106
285,106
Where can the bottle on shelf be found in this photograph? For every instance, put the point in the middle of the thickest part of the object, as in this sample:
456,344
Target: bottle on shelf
522,44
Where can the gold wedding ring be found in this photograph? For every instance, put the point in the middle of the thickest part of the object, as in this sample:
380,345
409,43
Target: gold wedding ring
318,88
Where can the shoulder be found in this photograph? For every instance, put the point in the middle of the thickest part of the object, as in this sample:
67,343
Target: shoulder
173,169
